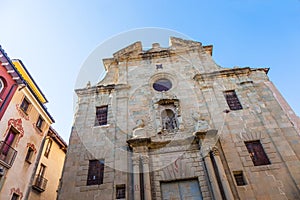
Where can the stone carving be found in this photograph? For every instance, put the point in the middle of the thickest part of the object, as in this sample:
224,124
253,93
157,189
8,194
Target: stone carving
215,151
200,123
139,130
136,160
145,159
169,120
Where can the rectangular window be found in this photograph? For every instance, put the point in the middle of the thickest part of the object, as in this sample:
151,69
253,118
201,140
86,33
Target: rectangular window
96,172
239,178
39,123
9,142
29,154
15,196
25,105
257,153
42,170
48,147
101,115
232,100
120,191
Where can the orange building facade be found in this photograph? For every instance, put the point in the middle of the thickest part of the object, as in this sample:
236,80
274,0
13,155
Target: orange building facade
24,128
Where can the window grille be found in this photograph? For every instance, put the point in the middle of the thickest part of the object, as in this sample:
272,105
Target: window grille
232,100
239,178
95,172
101,115
257,153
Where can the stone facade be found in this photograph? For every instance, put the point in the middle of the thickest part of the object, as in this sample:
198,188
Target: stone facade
179,126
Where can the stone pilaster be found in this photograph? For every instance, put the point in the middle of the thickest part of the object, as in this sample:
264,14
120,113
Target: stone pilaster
146,173
136,177
221,171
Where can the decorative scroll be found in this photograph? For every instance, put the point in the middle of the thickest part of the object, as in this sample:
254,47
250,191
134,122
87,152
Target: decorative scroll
32,146
21,113
17,191
17,124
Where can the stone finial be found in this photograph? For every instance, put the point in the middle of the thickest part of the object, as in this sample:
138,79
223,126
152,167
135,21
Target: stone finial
155,45
88,85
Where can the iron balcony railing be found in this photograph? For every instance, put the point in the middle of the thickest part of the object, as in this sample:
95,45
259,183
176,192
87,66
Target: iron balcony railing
7,154
39,183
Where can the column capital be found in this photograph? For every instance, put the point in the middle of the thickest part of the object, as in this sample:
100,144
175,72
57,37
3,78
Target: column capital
215,151
135,160
145,159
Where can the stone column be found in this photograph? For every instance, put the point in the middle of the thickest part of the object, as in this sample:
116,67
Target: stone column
136,177
221,171
205,150
146,172
212,178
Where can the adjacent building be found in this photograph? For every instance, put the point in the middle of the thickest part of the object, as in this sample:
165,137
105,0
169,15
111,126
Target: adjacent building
169,123
47,178
24,126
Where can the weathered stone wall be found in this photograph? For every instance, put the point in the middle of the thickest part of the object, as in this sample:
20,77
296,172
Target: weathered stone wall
177,163
134,138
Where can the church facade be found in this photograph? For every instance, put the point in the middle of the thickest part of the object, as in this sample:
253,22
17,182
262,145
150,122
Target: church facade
169,123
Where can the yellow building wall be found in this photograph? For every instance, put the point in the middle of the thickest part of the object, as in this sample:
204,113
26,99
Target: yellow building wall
54,165
17,178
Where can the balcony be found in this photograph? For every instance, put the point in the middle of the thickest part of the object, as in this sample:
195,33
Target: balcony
7,154
39,183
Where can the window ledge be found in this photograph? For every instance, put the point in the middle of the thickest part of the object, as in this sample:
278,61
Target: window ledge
28,161
102,126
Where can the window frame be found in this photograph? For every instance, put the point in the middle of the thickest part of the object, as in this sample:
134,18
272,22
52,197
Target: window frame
15,196
232,100
40,122
95,172
48,148
42,170
122,189
257,153
162,85
2,84
25,109
239,178
101,115
29,155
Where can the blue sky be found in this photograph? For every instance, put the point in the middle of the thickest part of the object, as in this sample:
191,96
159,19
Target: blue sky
54,38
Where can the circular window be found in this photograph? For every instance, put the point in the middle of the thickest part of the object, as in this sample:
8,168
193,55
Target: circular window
162,85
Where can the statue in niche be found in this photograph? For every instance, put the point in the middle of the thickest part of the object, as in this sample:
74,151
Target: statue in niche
139,130
200,123
169,120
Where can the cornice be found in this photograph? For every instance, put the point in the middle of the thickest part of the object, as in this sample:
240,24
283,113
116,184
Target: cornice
228,73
